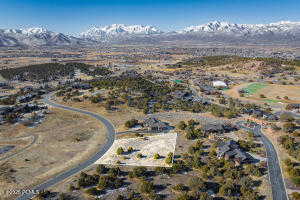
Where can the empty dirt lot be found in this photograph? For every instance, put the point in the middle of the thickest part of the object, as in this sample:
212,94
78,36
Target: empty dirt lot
147,146
64,140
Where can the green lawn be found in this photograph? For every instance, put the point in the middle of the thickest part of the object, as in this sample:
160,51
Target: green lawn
271,101
254,87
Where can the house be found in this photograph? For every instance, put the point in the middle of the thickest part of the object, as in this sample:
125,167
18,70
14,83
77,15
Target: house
179,94
153,124
26,98
5,110
231,150
82,86
219,84
218,128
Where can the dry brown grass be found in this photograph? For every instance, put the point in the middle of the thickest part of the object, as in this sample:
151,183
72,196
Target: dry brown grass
64,140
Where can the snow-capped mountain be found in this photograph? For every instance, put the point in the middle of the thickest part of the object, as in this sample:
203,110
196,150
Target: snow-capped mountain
119,30
217,27
284,32
35,37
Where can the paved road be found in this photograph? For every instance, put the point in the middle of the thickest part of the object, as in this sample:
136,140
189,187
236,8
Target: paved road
64,175
275,175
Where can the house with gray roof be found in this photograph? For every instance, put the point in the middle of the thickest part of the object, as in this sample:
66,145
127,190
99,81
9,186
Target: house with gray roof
153,124
231,150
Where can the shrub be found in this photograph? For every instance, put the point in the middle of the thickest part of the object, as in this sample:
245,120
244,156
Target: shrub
196,184
131,123
130,149
115,171
146,187
139,155
262,96
180,187
92,191
181,125
296,196
156,156
120,151
296,180
100,169
169,159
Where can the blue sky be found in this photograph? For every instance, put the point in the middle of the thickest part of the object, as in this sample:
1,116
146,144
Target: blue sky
74,16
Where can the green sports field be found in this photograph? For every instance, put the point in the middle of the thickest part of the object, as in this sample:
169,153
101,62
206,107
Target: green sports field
254,87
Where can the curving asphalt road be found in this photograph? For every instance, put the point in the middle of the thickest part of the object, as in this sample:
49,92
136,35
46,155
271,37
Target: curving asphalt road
275,174
64,175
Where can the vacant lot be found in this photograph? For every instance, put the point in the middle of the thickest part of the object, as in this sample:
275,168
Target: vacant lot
147,146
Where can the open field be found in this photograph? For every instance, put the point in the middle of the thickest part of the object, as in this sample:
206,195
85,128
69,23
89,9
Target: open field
147,146
273,94
254,88
64,140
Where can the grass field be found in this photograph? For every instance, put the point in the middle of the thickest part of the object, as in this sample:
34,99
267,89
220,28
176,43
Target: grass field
254,87
271,101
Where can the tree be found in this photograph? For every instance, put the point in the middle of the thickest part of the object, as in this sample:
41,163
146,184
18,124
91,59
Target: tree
100,169
180,187
131,123
296,196
146,187
262,96
92,191
169,158
138,172
296,180
289,127
139,155
156,156
227,189
120,151
181,125
184,196
130,149
197,184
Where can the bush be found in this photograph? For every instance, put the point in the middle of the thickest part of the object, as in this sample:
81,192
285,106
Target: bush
100,169
130,149
296,180
114,171
92,191
146,187
156,156
139,155
196,184
262,96
289,127
180,187
138,172
296,196
169,159
120,151
131,123
182,125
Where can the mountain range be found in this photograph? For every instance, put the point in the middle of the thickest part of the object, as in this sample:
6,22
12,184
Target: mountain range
284,32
